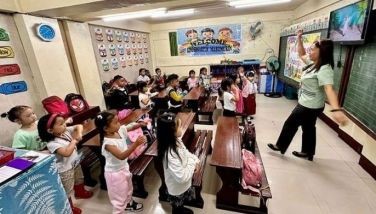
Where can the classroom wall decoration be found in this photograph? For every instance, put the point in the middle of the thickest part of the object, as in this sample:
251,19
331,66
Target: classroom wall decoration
3,35
307,26
120,52
13,87
293,64
209,40
11,69
6,52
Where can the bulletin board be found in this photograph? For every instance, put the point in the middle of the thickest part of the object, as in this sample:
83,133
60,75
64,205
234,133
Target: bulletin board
120,52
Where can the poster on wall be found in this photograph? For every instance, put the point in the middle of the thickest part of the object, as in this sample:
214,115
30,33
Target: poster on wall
294,65
13,87
10,69
209,40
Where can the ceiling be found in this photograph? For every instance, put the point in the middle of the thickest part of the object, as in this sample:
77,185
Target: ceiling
204,9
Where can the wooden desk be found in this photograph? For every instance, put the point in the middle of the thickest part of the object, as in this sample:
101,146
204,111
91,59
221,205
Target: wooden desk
187,119
134,116
194,96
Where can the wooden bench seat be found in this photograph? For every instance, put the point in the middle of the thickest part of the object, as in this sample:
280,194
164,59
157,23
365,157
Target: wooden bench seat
207,107
227,159
137,167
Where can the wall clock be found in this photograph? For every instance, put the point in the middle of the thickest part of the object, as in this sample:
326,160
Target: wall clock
45,32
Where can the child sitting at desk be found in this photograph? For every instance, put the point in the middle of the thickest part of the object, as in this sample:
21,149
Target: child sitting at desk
27,136
192,80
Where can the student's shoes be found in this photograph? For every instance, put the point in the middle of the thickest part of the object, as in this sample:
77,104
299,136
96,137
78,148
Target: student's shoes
75,210
181,210
133,206
303,155
81,192
275,148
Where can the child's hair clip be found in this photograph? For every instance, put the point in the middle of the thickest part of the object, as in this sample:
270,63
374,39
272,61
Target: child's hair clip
100,117
169,118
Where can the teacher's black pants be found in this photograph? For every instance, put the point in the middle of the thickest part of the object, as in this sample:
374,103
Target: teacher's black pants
305,117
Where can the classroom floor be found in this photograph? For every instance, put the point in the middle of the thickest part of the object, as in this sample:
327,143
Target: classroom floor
332,183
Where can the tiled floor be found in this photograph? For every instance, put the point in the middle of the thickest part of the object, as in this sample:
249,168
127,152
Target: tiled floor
332,183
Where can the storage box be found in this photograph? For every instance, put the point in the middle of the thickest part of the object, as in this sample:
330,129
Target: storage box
5,156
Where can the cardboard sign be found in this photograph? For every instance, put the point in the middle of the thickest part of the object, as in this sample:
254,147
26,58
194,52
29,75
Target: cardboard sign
11,69
6,52
3,35
13,87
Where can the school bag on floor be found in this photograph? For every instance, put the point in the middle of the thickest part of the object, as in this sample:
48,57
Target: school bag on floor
251,172
55,105
76,103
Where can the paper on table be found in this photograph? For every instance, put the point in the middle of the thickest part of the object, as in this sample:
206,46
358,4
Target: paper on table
34,156
7,172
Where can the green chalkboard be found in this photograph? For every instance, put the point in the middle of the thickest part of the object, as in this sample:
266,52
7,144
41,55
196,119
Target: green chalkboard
360,99
339,62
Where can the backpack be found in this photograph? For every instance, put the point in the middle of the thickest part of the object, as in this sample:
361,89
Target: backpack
251,172
76,103
132,136
249,136
55,105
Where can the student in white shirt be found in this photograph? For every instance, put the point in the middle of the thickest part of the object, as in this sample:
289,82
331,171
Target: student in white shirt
144,95
113,139
178,163
249,94
142,76
230,97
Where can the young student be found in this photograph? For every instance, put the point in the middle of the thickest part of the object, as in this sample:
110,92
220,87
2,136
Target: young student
144,95
192,80
178,163
142,76
249,94
159,78
27,136
204,78
239,104
230,97
61,141
175,100
118,94
113,139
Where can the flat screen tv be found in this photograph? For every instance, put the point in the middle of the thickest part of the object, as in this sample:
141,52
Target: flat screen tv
348,25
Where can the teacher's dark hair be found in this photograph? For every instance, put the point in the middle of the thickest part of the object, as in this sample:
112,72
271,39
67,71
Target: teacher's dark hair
326,48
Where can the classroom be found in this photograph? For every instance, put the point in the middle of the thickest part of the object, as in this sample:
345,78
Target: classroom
200,106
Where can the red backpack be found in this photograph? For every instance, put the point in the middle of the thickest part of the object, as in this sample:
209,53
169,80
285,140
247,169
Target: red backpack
76,103
55,105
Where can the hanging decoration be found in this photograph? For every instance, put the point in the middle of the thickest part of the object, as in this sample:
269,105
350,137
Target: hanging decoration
123,62
10,69
13,87
112,48
102,50
4,36
255,29
6,52
121,49
114,63
105,65
45,32
118,35
110,35
98,34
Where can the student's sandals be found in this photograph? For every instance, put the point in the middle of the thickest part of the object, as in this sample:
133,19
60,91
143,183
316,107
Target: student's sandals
134,207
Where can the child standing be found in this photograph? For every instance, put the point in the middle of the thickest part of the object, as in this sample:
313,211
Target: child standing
61,141
142,76
249,94
113,138
204,78
230,97
178,163
159,79
192,80
239,104
27,136
175,100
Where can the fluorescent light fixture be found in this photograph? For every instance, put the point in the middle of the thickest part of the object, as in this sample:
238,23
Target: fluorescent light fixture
133,15
255,3
173,13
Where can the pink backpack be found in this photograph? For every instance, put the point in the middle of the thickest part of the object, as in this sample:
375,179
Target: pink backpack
55,105
251,171
133,135
123,114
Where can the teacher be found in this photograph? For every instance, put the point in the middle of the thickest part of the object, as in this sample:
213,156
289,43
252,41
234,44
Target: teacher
316,82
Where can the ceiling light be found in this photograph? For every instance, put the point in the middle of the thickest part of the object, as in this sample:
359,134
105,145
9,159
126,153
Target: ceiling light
255,3
133,15
173,13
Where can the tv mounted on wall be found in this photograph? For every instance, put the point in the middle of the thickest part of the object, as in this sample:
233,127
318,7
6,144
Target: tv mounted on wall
348,25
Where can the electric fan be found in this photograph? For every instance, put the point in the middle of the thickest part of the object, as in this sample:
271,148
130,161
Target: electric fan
273,65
